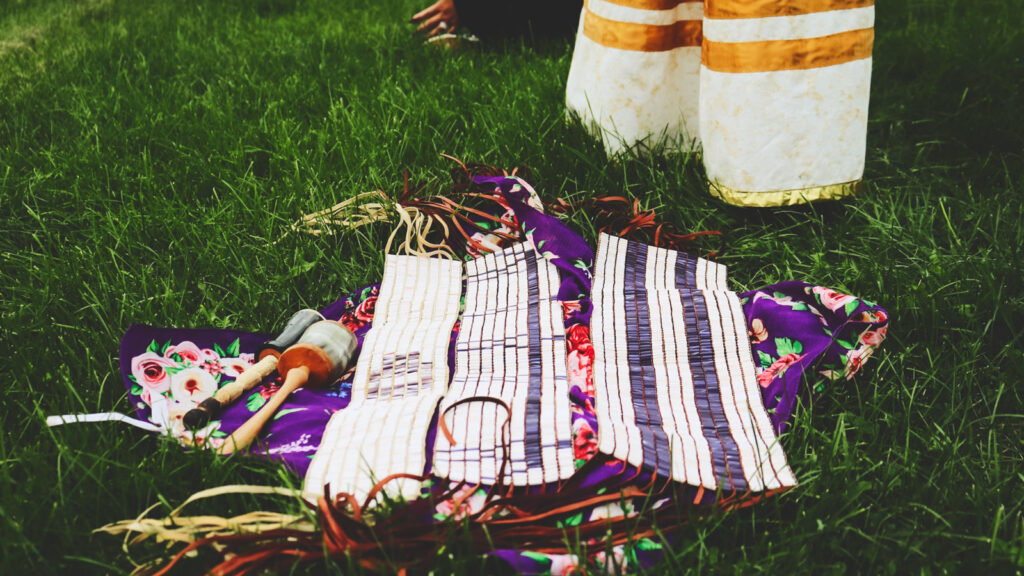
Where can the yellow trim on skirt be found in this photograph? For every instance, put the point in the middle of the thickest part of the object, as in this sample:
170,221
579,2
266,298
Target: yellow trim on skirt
786,197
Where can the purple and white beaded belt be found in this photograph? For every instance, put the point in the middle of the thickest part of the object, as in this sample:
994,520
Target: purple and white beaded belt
511,347
676,390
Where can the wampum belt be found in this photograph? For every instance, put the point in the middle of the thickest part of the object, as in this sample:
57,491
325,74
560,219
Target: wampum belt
676,391
674,375
511,346
401,375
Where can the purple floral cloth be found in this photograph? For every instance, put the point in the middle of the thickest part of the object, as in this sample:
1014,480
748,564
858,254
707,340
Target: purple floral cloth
799,333
168,371
798,329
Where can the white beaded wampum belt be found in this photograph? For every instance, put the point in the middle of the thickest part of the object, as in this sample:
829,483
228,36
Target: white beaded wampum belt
511,347
676,390
676,393
401,375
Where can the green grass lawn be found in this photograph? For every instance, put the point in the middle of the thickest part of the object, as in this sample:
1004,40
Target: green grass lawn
150,152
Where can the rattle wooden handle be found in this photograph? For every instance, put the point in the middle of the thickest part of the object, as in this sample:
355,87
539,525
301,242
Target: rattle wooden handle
247,433
252,376
211,407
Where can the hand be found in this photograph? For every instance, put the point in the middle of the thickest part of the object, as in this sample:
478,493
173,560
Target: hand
438,18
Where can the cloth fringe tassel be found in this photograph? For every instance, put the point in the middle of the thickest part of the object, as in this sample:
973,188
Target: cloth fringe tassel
438,216
618,216
615,215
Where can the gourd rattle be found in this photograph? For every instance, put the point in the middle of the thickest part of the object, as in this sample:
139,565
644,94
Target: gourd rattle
321,356
268,353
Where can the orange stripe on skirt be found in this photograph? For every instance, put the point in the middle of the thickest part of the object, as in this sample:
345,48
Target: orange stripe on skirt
641,37
800,54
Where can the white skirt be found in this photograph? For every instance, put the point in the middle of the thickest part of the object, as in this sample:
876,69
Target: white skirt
776,93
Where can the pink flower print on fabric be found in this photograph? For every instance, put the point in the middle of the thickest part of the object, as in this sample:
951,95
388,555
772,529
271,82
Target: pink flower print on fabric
778,298
364,312
565,565
873,316
570,307
265,392
831,299
873,337
584,441
580,369
577,336
233,367
192,385
829,325
580,358
855,359
358,312
777,369
210,361
187,351
465,501
149,370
